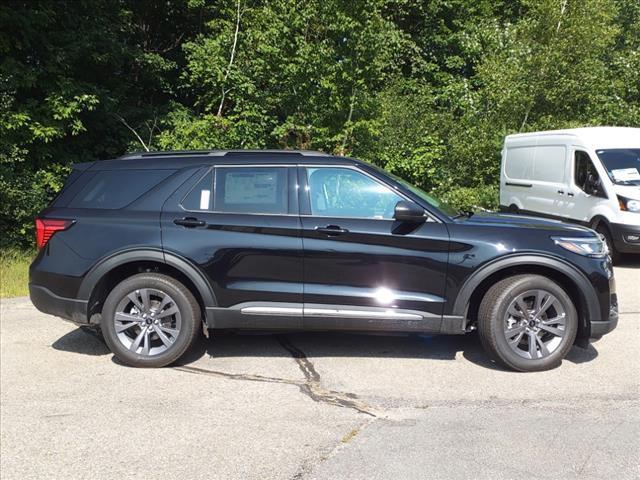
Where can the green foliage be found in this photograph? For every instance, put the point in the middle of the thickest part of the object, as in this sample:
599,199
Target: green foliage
427,90
14,272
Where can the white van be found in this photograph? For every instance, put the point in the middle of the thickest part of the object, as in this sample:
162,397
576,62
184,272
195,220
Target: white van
589,176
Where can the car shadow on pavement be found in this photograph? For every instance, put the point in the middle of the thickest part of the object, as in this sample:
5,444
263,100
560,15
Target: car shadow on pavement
83,340
226,344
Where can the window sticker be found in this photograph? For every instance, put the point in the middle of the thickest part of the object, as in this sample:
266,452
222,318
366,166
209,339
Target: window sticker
626,174
205,195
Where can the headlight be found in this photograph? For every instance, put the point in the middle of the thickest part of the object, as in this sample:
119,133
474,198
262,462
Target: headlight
628,205
588,246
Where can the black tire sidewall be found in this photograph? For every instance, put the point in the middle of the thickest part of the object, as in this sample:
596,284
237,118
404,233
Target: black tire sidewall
175,290
604,230
507,355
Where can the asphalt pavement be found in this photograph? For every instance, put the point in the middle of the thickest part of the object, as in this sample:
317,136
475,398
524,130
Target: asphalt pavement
316,406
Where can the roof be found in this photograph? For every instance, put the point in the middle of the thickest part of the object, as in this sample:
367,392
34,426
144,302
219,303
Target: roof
594,137
185,158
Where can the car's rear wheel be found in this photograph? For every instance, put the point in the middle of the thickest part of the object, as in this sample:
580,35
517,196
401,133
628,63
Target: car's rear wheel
527,323
150,320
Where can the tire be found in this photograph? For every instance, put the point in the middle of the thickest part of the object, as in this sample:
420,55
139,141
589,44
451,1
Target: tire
158,305
613,253
507,321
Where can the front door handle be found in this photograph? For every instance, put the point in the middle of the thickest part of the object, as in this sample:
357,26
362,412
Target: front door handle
189,222
332,230
561,192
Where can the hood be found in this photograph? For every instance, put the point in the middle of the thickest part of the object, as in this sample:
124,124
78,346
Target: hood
627,191
525,221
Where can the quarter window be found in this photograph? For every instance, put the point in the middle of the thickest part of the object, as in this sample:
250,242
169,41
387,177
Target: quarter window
200,197
344,192
251,190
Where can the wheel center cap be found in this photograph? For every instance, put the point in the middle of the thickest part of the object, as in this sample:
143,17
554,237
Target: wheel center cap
149,321
532,323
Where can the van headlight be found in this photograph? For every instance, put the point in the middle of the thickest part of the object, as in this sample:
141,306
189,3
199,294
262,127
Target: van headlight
594,247
628,205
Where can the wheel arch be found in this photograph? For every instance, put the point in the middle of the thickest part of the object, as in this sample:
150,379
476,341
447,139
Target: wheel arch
572,280
597,220
107,273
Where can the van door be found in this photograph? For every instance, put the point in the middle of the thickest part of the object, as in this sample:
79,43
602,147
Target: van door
536,176
586,190
549,185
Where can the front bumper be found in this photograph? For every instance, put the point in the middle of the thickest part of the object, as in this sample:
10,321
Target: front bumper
67,308
602,327
626,238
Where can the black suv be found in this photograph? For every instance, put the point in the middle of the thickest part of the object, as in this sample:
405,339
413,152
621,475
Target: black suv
154,247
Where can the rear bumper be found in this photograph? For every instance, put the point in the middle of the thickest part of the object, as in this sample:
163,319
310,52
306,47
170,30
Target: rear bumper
626,238
67,308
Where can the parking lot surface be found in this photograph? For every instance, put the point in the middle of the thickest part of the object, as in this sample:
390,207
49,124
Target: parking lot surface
316,406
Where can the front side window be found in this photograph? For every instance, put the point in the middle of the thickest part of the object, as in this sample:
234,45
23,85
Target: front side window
251,190
585,174
344,192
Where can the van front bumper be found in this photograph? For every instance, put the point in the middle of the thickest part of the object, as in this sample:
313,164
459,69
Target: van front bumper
626,238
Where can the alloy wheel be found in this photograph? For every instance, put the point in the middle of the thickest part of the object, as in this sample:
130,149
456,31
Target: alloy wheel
147,321
535,324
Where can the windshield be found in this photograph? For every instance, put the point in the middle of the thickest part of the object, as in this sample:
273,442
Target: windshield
434,202
622,164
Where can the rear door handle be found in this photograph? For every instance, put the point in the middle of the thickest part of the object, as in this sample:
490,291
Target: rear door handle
189,222
332,230
570,194
561,192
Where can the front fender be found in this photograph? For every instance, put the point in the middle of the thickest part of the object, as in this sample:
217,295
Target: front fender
587,291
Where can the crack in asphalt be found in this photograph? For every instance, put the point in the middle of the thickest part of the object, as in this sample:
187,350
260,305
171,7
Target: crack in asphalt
311,386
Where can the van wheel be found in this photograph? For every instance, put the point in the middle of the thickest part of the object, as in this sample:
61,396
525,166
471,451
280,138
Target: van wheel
604,231
150,320
514,209
527,323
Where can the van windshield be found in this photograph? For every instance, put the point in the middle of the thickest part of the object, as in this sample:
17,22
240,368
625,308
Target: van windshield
622,164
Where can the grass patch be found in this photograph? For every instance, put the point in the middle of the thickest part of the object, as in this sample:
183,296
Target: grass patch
14,272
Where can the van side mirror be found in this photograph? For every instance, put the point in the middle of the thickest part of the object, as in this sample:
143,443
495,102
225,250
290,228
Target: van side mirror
409,212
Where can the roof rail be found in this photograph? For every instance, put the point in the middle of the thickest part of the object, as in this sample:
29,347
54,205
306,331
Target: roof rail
219,153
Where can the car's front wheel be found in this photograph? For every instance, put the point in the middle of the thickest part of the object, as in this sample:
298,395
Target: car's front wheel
150,320
527,323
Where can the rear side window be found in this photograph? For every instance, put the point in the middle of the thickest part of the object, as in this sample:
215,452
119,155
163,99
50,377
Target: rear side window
112,189
251,190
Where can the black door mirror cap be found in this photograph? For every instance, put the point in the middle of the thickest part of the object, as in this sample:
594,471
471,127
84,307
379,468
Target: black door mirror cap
406,211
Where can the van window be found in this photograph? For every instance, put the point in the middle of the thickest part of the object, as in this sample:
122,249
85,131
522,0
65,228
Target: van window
251,190
585,175
113,189
544,163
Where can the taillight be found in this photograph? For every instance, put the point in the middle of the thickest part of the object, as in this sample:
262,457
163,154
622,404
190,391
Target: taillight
46,227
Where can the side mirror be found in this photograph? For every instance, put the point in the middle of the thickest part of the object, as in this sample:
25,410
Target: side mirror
409,212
